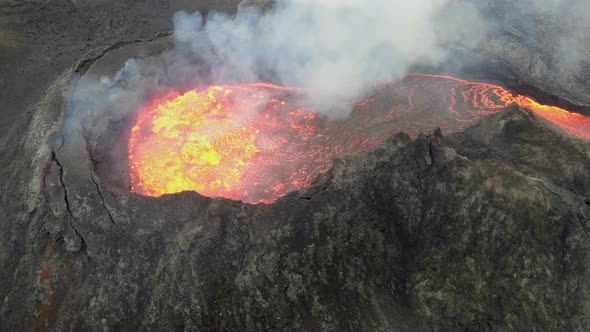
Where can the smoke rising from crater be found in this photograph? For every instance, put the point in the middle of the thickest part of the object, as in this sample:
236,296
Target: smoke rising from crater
338,49
335,49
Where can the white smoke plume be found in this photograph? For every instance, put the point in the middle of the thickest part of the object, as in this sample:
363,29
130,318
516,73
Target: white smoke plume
334,48
569,22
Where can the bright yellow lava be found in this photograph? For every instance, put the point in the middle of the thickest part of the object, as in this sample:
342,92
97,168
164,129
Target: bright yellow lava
188,142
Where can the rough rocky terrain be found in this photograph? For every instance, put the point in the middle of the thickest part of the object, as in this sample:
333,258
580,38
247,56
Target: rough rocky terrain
548,48
39,40
481,230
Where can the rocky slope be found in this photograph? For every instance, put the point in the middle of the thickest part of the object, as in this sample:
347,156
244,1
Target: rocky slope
39,40
544,43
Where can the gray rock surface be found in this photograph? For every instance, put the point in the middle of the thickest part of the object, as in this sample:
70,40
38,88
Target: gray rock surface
260,5
39,40
545,44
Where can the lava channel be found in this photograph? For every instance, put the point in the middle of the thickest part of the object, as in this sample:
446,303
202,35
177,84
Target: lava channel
257,142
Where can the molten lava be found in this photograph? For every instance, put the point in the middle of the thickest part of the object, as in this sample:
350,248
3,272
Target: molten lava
256,142
242,142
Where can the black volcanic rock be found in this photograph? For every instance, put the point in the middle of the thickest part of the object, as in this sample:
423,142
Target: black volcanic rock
481,230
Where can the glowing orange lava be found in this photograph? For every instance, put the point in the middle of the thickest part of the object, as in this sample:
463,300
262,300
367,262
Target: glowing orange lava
257,142
236,142
575,124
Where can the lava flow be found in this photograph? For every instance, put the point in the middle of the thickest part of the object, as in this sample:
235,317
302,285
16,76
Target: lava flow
257,142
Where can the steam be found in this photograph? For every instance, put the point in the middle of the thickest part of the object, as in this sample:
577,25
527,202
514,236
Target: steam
571,19
334,48
559,30
337,49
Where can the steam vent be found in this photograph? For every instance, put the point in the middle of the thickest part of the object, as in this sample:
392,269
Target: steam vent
295,165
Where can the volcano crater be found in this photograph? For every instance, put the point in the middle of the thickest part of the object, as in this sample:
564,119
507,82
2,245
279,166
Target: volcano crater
255,142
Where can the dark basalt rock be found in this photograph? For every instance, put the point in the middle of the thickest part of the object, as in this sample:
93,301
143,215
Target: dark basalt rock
480,230
259,5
